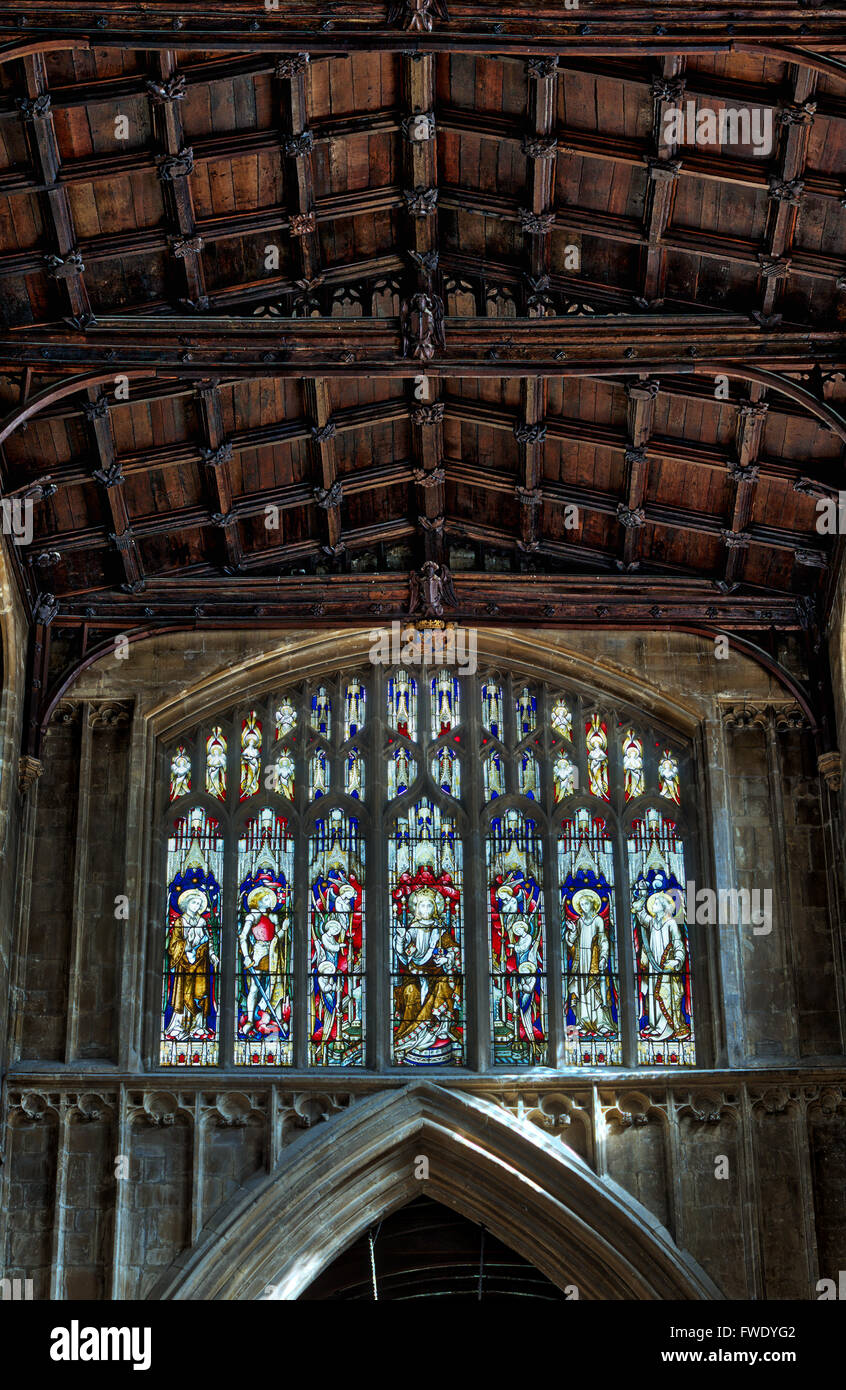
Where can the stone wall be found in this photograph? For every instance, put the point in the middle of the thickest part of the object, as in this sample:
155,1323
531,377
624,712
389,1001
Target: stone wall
111,1174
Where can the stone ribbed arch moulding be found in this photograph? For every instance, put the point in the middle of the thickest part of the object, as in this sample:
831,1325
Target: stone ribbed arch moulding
530,1191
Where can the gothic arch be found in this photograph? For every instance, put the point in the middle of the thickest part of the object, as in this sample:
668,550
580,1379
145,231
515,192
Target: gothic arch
524,1185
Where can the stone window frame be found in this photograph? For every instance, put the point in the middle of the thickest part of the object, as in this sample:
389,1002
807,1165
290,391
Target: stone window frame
471,816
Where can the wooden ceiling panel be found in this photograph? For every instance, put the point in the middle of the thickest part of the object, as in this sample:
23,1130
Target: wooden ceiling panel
615,105
485,85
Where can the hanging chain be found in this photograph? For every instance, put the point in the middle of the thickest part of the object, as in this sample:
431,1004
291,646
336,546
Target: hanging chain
372,1240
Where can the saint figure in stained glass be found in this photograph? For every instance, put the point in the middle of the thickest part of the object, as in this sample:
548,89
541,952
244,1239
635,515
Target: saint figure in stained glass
563,777
562,720
284,773
662,965
517,945
494,776
426,889
265,940
447,772
318,774
192,952
528,776
402,770
354,774
591,988
527,712
336,931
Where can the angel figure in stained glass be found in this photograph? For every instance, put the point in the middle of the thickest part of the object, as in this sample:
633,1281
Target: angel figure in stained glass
668,774
597,757
216,765
520,946
283,781
180,774
250,757
563,777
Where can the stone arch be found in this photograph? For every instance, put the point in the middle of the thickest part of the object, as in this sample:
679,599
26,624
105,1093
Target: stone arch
526,1187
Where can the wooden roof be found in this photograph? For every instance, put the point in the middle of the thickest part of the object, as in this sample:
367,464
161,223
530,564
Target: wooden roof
222,264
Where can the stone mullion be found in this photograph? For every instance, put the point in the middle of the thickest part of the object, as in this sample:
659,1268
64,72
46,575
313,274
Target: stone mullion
40,132
302,940
627,1001
175,168
80,880
641,414
663,168
119,1232
328,488
786,189
744,471
557,1048
217,484
478,1039
297,148
378,996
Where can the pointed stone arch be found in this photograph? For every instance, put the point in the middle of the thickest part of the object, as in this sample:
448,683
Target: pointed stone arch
525,1186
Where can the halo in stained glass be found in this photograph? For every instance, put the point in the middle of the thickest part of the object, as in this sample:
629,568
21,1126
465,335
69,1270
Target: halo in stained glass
264,955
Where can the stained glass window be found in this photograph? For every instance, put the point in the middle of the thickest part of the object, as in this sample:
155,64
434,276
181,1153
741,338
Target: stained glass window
336,933
321,712
526,711
596,738
562,720
264,958
285,718
425,887
250,755
446,770
444,703
528,775
354,774
517,942
402,770
633,764
662,962
402,704
354,698
492,703
319,774
564,843
668,777
589,942
190,1024
216,764
493,769
180,773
